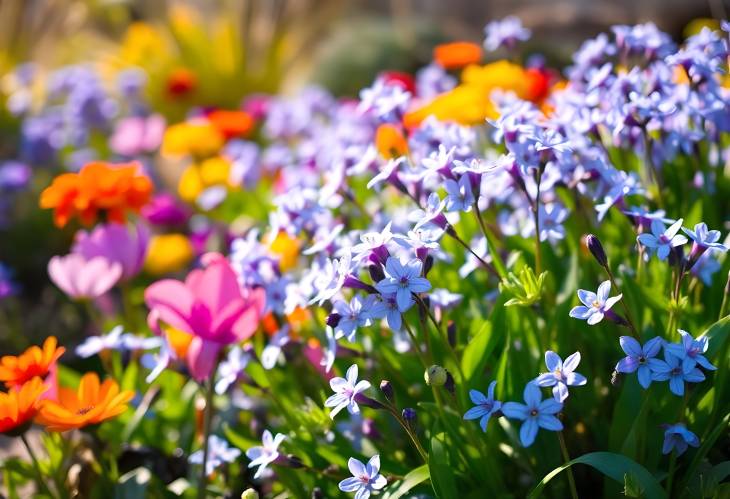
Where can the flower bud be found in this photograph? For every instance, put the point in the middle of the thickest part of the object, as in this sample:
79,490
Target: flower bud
409,414
376,272
249,494
387,390
333,319
596,248
450,385
435,376
451,333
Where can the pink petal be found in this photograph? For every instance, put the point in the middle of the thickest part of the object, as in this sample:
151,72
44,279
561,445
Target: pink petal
201,357
173,301
216,285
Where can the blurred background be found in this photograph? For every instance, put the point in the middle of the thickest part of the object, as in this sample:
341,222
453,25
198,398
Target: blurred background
213,54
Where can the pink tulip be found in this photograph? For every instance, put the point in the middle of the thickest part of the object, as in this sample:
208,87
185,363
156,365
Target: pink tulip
137,135
83,278
117,244
211,306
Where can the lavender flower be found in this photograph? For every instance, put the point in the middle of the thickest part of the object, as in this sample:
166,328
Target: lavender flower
638,358
387,308
505,33
661,239
703,240
485,406
678,437
595,305
218,454
346,389
690,351
366,477
266,454
460,196
353,315
535,412
561,374
230,369
673,369
403,280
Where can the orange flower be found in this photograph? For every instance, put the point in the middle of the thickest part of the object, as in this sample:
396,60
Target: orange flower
98,186
92,403
19,406
390,141
181,82
457,54
231,123
16,370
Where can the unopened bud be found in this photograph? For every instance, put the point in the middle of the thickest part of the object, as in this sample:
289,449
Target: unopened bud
596,248
435,376
387,390
250,494
450,385
376,272
333,319
409,414
451,333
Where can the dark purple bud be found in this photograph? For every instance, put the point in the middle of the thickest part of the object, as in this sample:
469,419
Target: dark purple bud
333,319
596,248
450,385
354,283
409,414
376,272
614,317
694,255
428,264
451,333
387,390
368,402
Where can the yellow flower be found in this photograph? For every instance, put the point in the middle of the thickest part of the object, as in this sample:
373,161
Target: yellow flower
197,138
286,247
168,253
196,178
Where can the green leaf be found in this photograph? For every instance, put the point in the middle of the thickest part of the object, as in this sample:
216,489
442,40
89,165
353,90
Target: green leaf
415,477
632,487
442,476
614,466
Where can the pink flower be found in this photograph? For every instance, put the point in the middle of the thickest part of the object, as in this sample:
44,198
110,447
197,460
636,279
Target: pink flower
136,135
117,244
83,278
211,306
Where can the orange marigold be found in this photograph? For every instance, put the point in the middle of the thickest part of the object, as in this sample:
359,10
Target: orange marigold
92,403
114,189
231,123
390,141
16,370
19,406
457,54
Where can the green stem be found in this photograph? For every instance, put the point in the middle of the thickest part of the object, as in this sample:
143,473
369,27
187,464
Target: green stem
566,458
415,343
41,482
207,423
536,216
498,264
670,476
629,319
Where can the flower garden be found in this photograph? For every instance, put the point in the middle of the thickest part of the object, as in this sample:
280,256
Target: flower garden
488,276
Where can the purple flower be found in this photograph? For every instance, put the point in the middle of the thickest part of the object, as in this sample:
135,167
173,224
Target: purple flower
638,357
387,308
505,33
352,315
7,286
431,214
14,176
673,369
535,412
330,281
218,454
365,477
704,239
561,374
595,305
485,406
165,209
661,239
230,369
678,437
690,351
403,280
263,456
116,244
346,389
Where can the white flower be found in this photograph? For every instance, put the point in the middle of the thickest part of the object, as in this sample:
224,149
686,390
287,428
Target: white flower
366,477
346,389
266,454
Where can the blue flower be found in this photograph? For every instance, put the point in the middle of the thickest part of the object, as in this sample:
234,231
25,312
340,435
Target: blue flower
353,315
690,351
403,280
535,412
638,357
346,389
262,456
595,305
485,406
505,32
387,308
673,369
561,374
705,238
218,454
460,196
661,239
678,437
365,477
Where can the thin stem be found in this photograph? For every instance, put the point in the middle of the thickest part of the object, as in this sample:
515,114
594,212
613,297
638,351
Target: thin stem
499,266
481,260
36,466
725,299
409,431
415,343
630,320
207,422
566,458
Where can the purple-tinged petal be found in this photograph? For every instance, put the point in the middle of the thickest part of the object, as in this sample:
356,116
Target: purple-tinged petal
553,361
571,363
627,365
